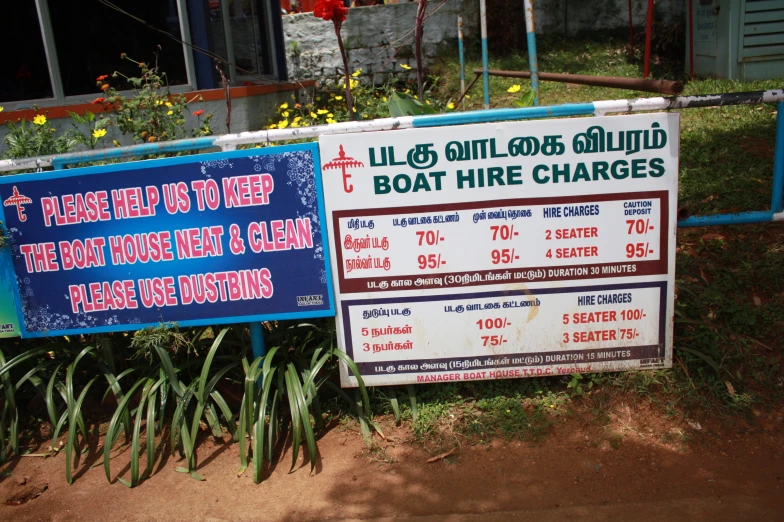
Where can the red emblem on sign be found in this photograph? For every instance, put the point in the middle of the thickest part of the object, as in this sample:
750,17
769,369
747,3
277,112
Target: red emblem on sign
17,200
343,162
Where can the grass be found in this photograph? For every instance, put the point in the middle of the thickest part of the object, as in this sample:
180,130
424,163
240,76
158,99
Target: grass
730,288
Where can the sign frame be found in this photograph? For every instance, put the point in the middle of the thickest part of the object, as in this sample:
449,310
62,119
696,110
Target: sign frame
6,260
415,176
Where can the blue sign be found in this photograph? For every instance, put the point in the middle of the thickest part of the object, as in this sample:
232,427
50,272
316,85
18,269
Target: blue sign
206,239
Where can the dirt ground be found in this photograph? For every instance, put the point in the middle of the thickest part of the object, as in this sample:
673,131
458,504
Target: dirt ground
640,466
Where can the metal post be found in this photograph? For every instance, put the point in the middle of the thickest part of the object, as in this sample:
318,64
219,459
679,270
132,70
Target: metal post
691,39
631,34
47,34
648,29
185,31
485,66
778,162
227,36
460,51
257,340
530,29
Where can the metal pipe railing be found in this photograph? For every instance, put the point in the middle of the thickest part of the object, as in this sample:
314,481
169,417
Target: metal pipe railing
598,108
636,84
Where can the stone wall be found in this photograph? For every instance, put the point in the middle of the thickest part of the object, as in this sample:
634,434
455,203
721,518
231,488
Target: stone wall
560,16
377,38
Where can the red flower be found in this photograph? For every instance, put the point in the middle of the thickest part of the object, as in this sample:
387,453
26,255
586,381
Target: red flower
331,10
198,113
101,77
98,101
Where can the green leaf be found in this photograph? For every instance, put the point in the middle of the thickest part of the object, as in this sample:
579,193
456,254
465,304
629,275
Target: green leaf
527,99
401,104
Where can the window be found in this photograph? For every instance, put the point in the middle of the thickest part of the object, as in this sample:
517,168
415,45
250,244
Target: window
57,48
24,74
89,37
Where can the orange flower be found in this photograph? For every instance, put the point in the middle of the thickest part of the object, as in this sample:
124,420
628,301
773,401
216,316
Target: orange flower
98,101
151,139
101,77
198,113
104,87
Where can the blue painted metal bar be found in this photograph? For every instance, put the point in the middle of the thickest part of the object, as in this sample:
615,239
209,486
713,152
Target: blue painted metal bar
741,218
533,66
485,64
257,339
778,162
460,52
523,113
133,151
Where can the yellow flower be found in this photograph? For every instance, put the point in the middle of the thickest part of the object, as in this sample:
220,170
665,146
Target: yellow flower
330,121
514,88
116,143
158,102
40,119
313,115
450,106
353,83
357,72
99,133
297,119
284,105
406,67
330,115
322,111
285,114
467,96
552,405
338,98
283,124
170,113
384,98
294,124
427,102
1,108
273,126
407,91
168,104
508,411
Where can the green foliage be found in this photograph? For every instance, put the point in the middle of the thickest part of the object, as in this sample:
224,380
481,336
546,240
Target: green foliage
293,373
584,383
328,105
38,138
153,113
95,128
402,104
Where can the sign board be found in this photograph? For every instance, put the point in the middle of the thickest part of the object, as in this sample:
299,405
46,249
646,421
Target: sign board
9,323
504,250
206,239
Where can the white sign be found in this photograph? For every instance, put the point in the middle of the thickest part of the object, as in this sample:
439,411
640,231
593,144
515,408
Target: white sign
504,250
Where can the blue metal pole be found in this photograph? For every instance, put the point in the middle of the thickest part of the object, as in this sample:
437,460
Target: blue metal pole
257,339
485,65
460,51
530,29
741,218
778,162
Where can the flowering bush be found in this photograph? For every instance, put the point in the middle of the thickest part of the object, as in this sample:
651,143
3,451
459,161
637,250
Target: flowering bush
334,11
328,105
153,113
25,139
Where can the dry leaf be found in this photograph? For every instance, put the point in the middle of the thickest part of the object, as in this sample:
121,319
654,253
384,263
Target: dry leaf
439,457
730,388
757,301
708,237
